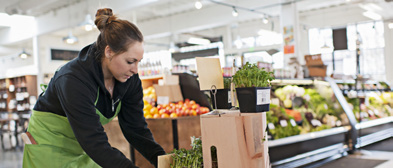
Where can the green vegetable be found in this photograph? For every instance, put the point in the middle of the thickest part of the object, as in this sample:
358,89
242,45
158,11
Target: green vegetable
252,76
227,83
188,158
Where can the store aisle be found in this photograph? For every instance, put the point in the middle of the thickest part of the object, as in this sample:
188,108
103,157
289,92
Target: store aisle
10,158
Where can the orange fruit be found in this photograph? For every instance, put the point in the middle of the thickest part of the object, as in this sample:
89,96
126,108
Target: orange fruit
165,115
156,116
148,116
173,115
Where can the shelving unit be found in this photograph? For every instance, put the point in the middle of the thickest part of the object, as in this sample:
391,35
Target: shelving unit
20,90
3,95
150,80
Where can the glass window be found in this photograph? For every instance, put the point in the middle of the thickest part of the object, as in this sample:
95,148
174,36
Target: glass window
372,45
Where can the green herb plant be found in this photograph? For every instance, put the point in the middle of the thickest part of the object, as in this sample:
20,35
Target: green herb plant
183,158
250,75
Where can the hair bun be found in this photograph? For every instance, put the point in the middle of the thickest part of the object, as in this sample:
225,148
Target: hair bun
104,11
104,16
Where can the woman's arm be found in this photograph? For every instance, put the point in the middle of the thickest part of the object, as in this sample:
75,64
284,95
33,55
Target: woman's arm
77,100
134,126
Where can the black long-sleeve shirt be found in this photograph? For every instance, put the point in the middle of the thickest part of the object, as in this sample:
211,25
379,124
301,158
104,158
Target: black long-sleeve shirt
72,92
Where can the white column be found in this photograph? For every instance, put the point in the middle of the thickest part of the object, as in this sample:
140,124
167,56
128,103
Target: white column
290,28
37,64
388,54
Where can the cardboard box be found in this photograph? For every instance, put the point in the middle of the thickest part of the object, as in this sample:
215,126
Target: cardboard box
168,93
171,79
313,60
238,137
317,71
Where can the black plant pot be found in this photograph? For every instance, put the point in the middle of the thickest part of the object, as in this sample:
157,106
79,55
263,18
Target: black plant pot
222,96
253,99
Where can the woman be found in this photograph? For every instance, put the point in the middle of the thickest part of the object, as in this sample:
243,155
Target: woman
88,92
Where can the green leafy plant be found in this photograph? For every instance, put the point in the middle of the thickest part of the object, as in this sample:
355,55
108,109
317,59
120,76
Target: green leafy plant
227,83
188,158
251,76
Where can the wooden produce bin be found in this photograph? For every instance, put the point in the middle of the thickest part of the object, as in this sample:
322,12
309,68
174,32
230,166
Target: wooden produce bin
169,133
239,138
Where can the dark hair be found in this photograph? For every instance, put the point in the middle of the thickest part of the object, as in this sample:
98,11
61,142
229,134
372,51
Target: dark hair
118,34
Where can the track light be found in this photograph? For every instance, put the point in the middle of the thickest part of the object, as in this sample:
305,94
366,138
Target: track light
70,39
198,4
234,12
24,54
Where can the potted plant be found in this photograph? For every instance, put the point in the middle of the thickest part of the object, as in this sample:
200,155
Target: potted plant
223,96
253,88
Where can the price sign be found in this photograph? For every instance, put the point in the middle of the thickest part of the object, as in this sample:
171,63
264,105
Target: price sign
293,123
283,123
229,97
271,126
263,96
162,100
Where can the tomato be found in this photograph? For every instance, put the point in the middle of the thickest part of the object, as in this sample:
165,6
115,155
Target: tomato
198,111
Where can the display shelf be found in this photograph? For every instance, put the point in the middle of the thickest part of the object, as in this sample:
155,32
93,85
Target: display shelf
372,131
309,136
316,146
315,157
153,77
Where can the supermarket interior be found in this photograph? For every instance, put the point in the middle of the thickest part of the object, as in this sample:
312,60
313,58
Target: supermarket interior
318,76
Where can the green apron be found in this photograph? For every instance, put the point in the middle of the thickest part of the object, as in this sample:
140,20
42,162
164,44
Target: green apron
56,143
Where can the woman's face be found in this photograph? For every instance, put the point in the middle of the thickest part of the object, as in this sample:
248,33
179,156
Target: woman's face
124,65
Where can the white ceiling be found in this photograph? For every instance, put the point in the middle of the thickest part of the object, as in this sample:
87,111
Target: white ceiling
154,12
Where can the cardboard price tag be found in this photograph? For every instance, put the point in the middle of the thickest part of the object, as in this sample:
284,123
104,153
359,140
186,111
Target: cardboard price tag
209,73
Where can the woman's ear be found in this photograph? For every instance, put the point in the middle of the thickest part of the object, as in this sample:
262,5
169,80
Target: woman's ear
108,52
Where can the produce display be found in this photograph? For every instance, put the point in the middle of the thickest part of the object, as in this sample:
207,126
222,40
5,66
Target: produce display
173,110
303,109
371,102
149,95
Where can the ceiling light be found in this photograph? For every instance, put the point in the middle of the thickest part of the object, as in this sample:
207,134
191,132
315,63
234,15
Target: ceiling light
265,20
390,25
325,46
24,54
234,12
200,41
70,39
370,7
88,23
198,4
372,15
